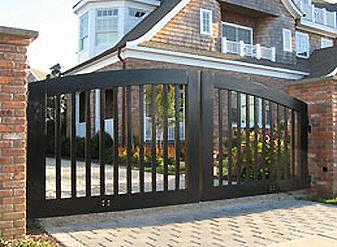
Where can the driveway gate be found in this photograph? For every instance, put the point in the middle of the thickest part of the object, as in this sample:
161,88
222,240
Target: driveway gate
143,138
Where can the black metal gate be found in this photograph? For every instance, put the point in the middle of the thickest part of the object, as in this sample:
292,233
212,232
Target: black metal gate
142,138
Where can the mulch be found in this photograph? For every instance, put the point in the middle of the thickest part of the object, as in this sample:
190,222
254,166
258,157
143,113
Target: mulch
35,233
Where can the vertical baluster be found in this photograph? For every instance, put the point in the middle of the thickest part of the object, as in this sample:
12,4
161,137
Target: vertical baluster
239,160
129,140
102,141
141,136
247,137
221,134
73,145
256,129
154,138
293,142
286,154
264,148
271,165
115,140
87,144
230,136
279,136
177,137
165,91
58,145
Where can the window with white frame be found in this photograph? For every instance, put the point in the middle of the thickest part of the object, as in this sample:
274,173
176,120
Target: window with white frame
84,31
237,33
134,17
106,26
287,40
302,45
325,42
206,17
136,13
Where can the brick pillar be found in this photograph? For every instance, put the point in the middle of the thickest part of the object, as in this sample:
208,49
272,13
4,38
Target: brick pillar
13,90
321,97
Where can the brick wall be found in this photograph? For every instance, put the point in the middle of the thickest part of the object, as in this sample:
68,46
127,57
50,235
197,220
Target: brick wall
322,108
13,90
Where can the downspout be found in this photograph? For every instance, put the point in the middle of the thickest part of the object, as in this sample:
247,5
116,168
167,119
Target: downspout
122,60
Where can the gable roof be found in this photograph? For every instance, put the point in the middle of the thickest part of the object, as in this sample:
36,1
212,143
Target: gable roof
323,62
138,31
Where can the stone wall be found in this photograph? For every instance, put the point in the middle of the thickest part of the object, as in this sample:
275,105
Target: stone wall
320,95
13,96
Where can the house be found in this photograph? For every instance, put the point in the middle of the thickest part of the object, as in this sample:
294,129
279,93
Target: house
273,42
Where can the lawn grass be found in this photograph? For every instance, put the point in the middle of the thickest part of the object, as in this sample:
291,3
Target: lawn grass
320,199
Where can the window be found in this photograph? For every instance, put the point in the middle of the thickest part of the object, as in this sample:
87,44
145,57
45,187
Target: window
137,13
287,40
206,21
325,43
237,33
106,26
302,45
84,32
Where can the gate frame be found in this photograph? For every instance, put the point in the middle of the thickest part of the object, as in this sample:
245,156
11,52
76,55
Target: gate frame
199,124
211,81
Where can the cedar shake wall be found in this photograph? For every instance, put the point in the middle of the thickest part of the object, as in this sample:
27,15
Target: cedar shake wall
13,131
184,29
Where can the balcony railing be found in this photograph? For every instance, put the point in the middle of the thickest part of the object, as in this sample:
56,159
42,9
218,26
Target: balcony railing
248,50
317,15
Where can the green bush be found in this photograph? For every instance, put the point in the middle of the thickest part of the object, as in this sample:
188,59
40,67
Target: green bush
25,244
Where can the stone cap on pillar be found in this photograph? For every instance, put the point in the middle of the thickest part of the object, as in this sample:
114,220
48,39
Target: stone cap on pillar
29,34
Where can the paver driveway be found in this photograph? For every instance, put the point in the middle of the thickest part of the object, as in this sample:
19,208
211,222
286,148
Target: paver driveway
271,220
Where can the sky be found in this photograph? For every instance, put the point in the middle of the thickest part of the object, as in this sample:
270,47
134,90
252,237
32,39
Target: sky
57,26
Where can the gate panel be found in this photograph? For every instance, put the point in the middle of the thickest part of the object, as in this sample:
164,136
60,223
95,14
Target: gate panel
113,141
254,139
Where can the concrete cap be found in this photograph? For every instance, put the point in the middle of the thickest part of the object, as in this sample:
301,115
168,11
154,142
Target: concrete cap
19,32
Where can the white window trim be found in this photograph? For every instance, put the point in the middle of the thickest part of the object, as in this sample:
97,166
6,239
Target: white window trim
323,39
210,22
240,26
113,16
81,37
303,35
284,34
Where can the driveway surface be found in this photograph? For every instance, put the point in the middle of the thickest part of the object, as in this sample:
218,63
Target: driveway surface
269,220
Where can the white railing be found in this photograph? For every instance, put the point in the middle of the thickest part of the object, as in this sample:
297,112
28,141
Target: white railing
317,15
248,50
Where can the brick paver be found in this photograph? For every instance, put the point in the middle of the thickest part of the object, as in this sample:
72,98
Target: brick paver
272,220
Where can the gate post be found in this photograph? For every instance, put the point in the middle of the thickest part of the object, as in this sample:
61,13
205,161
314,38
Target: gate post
36,149
13,127
193,172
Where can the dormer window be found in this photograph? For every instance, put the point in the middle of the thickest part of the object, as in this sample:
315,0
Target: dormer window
84,32
106,27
